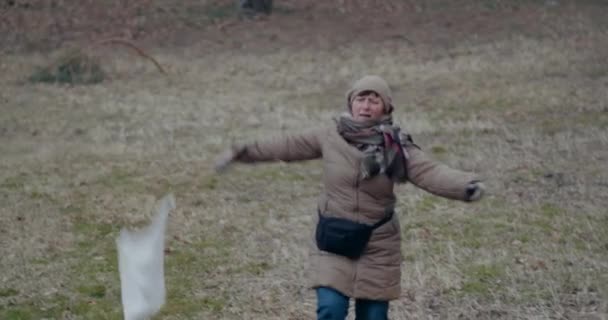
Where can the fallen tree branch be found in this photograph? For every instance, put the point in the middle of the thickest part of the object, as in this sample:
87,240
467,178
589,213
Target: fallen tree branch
139,51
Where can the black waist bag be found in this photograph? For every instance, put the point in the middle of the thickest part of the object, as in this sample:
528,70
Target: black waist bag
345,237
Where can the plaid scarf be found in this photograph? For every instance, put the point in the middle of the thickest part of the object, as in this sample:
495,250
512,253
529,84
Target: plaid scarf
376,139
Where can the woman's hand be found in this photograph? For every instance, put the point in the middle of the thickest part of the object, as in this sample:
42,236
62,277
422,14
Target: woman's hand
475,190
227,157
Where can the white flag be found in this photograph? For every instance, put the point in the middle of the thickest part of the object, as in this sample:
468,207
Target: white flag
141,265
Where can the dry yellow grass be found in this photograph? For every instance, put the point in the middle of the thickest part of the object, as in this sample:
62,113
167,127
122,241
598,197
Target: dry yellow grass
529,114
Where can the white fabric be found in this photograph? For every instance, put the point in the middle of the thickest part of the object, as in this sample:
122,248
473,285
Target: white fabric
141,265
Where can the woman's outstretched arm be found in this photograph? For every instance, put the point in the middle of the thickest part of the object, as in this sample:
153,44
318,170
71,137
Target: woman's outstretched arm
441,180
287,147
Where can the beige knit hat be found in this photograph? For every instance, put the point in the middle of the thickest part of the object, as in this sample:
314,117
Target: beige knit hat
375,84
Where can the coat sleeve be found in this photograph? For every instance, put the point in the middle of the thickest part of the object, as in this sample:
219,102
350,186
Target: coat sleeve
435,177
288,147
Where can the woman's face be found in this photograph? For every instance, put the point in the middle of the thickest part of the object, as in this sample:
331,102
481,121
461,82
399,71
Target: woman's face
367,106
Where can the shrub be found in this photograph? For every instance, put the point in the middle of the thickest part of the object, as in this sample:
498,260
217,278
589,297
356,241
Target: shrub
73,67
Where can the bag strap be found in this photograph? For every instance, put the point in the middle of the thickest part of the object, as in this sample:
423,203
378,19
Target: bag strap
387,218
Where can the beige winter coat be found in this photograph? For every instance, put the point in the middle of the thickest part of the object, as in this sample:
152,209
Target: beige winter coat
376,275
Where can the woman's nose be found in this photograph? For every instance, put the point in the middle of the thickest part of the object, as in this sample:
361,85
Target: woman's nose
367,104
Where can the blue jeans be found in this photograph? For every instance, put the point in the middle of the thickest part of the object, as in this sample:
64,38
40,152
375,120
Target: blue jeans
332,305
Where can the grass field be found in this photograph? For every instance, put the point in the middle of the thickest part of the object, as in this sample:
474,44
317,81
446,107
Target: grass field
528,111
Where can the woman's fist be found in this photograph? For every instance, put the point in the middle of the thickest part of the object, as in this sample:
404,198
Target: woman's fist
227,157
475,190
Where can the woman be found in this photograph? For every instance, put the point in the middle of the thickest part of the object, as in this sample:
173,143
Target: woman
364,155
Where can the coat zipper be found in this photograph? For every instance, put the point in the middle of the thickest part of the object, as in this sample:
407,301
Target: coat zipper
357,196
356,271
